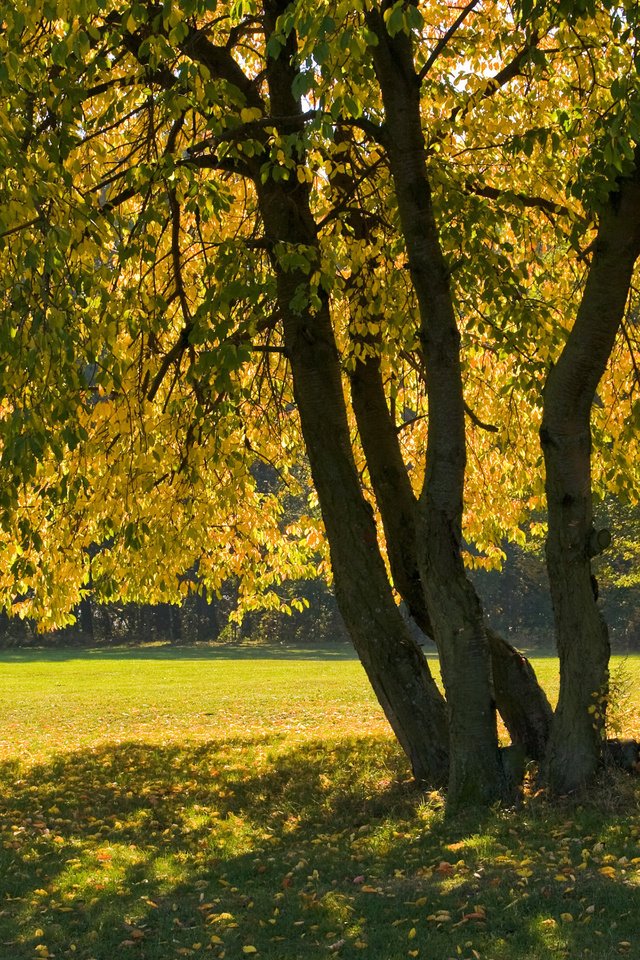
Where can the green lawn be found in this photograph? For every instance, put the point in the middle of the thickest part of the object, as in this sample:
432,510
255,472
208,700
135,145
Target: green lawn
231,803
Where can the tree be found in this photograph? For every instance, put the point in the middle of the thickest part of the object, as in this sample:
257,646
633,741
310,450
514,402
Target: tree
219,209
583,643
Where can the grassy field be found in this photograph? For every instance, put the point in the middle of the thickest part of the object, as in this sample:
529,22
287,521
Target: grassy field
226,804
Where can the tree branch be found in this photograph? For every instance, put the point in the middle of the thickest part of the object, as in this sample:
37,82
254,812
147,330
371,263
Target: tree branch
221,64
475,419
628,341
174,207
501,78
21,226
540,203
174,354
442,43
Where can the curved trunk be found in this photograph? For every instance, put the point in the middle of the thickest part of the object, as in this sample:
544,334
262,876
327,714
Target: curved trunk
394,663
476,772
583,645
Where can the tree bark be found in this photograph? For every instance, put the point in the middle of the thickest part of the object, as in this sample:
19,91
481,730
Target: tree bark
476,772
575,746
520,699
393,661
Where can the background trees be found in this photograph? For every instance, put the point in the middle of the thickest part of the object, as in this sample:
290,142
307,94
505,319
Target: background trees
217,214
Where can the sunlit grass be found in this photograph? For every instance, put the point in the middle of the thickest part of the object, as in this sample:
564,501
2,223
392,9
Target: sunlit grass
158,805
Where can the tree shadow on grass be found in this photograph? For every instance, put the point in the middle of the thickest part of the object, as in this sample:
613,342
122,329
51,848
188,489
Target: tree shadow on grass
249,651
134,850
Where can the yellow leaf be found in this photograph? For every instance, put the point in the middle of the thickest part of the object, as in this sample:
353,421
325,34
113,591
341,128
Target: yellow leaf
566,917
248,114
249,949
216,939
411,933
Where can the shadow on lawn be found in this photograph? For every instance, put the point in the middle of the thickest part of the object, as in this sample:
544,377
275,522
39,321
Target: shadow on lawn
166,651
151,852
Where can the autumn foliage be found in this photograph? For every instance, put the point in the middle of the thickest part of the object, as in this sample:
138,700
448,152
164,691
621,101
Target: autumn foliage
390,243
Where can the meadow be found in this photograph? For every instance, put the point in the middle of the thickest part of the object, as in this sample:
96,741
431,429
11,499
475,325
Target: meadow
229,803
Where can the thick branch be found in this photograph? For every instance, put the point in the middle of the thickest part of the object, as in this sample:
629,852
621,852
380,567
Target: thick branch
221,65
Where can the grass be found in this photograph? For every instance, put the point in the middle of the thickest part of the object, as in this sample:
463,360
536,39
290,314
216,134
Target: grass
161,804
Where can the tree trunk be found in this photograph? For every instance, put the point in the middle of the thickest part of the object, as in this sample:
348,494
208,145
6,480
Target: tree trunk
520,699
575,745
476,771
207,622
175,619
393,661
85,618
